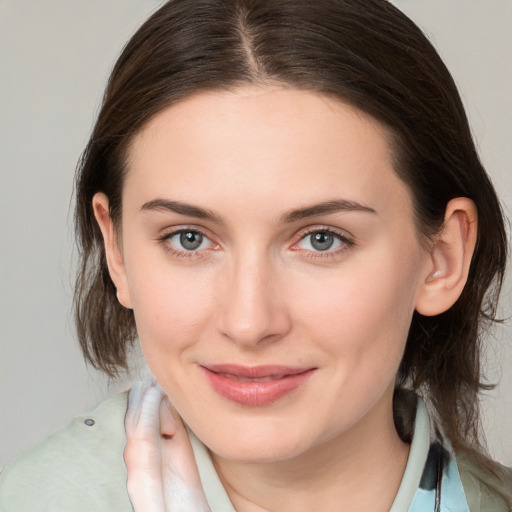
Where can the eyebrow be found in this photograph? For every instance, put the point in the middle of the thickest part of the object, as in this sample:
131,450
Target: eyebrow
324,208
327,207
182,209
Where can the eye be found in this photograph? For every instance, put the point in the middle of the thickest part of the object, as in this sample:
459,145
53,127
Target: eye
188,240
323,240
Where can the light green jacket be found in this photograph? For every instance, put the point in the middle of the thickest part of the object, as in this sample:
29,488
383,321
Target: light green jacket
80,468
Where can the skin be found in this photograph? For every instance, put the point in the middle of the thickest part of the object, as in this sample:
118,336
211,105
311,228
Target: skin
257,292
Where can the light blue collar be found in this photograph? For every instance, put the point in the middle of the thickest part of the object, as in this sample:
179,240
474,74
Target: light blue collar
431,481
441,488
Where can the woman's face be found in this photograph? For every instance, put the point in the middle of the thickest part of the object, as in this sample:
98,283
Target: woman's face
272,263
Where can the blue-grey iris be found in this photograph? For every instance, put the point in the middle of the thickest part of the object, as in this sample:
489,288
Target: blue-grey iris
322,241
190,240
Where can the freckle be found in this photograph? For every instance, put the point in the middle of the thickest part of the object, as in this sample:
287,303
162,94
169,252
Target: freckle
166,436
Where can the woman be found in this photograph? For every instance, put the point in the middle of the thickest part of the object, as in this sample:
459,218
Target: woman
283,202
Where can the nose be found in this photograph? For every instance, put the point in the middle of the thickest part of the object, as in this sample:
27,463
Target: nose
254,311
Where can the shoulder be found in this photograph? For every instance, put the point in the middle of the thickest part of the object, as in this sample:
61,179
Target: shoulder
484,491
78,468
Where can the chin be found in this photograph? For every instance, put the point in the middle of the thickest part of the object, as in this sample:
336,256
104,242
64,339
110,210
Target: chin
263,445
256,453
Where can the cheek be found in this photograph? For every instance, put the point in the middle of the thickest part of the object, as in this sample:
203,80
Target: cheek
364,310
170,307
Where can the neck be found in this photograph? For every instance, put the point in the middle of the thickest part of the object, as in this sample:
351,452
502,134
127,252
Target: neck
358,470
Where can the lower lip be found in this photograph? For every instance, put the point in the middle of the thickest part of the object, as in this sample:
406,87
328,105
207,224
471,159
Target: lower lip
256,393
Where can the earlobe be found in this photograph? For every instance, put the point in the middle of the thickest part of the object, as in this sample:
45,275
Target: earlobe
450,258
113,252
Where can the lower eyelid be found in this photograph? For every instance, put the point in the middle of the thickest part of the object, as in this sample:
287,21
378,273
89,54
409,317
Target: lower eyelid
344,243
180,252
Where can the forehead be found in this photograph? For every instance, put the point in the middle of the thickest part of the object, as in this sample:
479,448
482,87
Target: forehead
269,144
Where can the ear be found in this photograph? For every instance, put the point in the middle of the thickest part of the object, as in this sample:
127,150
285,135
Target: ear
113,252
450,258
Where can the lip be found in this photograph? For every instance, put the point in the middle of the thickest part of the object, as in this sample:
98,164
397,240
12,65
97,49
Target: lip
255,386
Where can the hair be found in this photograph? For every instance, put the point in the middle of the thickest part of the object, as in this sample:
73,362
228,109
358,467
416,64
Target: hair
365,53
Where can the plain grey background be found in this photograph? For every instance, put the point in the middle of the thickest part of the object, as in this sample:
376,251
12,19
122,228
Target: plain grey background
55,56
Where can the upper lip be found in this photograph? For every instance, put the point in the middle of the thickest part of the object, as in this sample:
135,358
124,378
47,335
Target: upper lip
255,372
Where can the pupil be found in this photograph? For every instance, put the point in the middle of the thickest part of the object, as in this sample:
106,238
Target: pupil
190,240
322,241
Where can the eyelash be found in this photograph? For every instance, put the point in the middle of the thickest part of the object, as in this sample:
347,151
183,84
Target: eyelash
346,242
169,248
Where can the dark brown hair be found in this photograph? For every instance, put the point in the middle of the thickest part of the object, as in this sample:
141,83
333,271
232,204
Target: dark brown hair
365,53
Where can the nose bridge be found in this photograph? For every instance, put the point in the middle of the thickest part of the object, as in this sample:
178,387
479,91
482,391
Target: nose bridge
251,312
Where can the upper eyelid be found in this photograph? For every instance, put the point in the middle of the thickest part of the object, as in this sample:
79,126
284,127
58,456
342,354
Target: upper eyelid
170,231
342,233
345,239
163,239
166,234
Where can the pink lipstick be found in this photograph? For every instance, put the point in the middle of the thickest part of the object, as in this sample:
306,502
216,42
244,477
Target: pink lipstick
255,385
